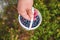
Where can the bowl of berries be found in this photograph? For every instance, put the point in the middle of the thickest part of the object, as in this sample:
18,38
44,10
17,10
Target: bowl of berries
34,23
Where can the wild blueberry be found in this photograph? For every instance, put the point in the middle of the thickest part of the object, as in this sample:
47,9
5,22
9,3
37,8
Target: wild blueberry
36,22
25,22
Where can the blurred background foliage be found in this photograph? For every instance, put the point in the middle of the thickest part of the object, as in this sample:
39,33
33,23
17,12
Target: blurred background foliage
10,28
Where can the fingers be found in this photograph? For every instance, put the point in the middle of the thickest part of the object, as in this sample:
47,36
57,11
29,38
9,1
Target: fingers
30,13
24,14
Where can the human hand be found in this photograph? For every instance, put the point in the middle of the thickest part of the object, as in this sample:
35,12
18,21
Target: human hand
25,8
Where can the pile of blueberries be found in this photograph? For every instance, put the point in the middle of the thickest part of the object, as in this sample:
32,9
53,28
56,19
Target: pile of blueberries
36,22
26,23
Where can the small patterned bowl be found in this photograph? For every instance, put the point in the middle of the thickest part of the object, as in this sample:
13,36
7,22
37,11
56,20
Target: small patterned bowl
30,25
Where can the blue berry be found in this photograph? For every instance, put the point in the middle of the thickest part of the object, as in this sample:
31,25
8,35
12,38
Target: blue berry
36,22
25,22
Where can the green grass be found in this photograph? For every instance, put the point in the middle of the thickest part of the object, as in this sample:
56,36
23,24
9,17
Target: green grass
48,30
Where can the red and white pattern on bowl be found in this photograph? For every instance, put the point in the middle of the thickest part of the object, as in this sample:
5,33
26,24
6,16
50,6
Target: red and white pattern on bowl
35,14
